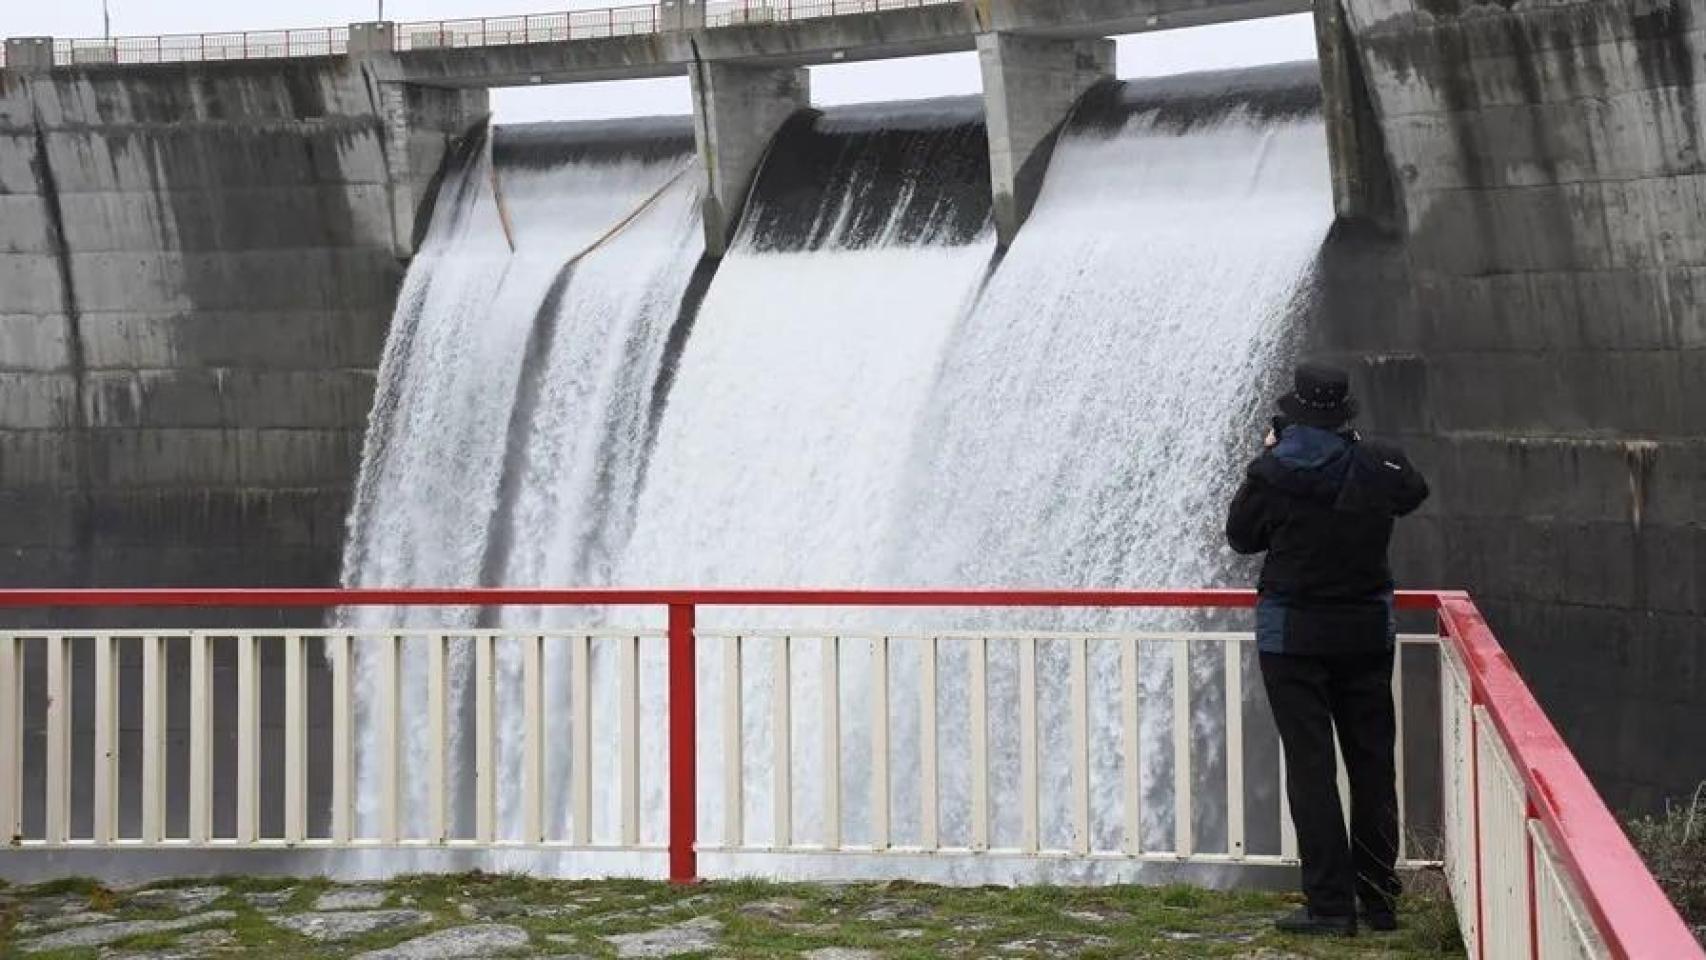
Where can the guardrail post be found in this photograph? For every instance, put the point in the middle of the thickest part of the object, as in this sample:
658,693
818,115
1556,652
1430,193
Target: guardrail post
683,754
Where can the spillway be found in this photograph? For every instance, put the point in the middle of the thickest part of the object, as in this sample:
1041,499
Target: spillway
528,341
865,394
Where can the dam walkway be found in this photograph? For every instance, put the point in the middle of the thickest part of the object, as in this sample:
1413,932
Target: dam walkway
865,751
640,40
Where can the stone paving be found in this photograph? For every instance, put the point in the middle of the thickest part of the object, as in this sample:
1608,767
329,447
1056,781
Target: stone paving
472,916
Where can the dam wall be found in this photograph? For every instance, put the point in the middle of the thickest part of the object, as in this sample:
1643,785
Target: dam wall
1531,327
198,265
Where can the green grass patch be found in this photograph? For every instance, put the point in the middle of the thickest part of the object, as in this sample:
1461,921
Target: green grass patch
761,919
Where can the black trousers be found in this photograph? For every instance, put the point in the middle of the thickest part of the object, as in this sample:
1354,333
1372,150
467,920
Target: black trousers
1310,696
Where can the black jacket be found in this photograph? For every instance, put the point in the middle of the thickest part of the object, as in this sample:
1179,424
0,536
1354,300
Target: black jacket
1322,505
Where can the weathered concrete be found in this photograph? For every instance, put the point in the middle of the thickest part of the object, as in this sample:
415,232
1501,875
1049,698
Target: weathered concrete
1534,331
1029,87
736,112
1356,148
29,54
197,268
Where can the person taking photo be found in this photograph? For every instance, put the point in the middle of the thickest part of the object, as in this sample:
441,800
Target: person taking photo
1321,502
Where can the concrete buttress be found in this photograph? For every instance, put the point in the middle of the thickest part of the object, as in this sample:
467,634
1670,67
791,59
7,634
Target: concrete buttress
1030,85
736,111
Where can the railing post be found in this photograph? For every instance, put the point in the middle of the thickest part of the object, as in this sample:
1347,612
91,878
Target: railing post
11,729
683,753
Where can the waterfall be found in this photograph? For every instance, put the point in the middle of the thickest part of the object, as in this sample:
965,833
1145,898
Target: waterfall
515,385
868,395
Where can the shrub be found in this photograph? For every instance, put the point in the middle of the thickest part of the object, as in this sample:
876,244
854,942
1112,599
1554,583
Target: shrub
1674,845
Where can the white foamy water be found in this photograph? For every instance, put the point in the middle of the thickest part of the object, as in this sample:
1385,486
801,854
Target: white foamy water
865,414
536,362
1090,419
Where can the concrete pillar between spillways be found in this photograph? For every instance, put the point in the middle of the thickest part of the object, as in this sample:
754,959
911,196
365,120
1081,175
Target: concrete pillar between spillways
1356,147
373,37
676,15
1030,85
29,54
415,120
736,111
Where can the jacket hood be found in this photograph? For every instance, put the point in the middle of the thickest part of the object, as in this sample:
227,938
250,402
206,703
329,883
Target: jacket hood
1308,462
1338,470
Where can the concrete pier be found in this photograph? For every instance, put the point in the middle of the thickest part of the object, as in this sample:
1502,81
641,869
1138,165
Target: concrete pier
1356,149
736,110
1029,86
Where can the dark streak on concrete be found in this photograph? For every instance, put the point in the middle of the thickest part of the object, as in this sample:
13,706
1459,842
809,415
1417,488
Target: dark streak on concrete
83,528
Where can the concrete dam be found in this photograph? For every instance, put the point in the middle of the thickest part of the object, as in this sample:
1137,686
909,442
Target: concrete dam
215,276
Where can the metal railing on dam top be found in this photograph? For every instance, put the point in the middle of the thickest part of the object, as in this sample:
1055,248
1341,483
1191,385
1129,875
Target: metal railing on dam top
1536,864
552,27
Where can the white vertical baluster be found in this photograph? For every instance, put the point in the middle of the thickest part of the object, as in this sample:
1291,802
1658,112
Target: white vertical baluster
153,740
391,736
11,735
1182,748
343,773
1132,771
1234,728
295,739
879,743
1288,829
1080,687
57,816
832,743
533,706
106,741
201,738
929,768
485,768
580,702
438,787
979,703
1028,744
248,738
1398,748
630,741
734,754
782,759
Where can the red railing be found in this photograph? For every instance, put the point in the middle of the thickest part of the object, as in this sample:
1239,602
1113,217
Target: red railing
1628,910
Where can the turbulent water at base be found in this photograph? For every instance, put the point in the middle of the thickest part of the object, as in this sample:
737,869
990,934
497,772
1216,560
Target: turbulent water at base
868,395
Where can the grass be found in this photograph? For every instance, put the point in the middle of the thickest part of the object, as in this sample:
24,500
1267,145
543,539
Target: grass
763,920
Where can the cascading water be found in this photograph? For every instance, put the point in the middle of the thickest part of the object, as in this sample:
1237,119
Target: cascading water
867,396
1089,421
515,386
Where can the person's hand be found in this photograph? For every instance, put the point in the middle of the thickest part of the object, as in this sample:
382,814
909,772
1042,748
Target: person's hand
1270,440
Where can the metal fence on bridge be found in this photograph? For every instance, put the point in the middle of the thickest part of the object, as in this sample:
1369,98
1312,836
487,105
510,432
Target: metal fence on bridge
1537,866
549,27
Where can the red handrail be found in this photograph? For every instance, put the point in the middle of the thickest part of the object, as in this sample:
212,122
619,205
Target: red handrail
614,596
1629,909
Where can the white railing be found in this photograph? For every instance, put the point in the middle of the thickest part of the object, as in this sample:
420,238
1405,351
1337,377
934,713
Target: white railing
1537,865
529,28
199,47
414,700
735,13
553,27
